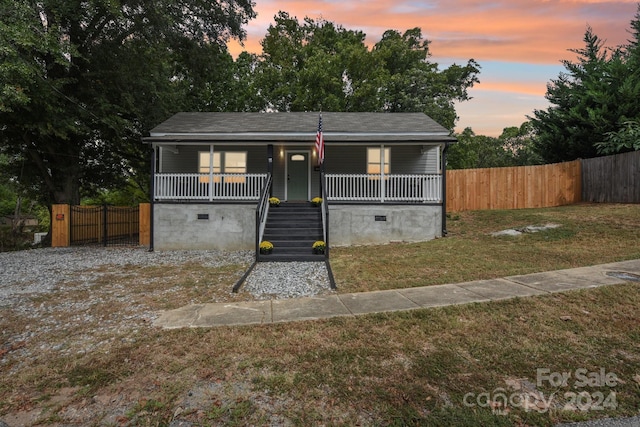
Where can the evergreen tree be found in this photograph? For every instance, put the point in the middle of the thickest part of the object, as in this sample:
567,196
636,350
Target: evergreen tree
594,104
573,124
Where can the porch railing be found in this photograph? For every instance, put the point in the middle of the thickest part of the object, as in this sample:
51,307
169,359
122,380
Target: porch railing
194,186
338,187
384,188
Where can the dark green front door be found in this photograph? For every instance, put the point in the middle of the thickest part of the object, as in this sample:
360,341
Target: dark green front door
297,176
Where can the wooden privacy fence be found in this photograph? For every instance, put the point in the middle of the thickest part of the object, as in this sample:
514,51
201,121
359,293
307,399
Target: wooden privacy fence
514,187
77,225
612,179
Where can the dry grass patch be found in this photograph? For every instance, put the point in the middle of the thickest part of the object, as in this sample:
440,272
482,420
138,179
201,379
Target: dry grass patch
589,234
386,369
169,287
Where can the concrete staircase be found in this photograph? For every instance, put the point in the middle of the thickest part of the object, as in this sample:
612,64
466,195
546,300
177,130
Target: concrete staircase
293,228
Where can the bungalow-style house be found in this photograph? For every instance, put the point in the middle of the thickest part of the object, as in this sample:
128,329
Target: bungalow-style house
382,178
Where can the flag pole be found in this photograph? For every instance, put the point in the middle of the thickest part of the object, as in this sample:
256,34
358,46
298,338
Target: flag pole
320,149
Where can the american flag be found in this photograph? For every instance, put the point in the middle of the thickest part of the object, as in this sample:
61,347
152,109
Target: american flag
320,142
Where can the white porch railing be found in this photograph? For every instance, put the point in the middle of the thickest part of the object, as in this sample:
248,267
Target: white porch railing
194,186
390,188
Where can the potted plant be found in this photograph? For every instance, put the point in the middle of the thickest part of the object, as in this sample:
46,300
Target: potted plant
319,247
266,247
316,201
274,201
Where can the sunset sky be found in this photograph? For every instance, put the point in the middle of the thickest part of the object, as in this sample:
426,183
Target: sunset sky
518,43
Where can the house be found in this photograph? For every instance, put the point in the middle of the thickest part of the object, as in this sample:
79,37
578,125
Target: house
382,179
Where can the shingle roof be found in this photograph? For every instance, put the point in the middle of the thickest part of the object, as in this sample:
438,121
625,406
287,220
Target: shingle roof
299,127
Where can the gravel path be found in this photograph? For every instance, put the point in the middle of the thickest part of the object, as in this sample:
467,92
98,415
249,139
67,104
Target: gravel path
287,280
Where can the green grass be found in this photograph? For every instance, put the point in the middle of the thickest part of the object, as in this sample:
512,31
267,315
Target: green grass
588,235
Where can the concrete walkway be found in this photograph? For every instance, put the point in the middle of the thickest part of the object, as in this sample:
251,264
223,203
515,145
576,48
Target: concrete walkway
319,307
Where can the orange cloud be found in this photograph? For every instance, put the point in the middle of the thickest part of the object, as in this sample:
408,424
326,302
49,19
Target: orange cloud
522,88
535,31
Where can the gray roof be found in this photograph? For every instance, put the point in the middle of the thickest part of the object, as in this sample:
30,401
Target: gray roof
297,127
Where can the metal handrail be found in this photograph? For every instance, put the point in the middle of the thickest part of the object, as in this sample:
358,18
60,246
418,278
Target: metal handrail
325,229
325,215
262,212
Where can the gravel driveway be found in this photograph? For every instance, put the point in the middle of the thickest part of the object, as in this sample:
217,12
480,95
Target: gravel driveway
73,302
41,270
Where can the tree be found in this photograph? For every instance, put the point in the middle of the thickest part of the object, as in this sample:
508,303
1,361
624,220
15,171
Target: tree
514,147
82,81
520,142
315,65
625,139
8,196
13,202
593,102
569,129
320,65
477,151
413,84
626,65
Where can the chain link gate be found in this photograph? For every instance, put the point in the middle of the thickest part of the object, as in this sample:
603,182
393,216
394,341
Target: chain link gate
104,225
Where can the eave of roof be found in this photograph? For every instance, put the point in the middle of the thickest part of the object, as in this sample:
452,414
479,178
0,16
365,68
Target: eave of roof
330,139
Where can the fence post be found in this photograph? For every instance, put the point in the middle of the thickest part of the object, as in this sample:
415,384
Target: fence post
144,224
60,216
105,226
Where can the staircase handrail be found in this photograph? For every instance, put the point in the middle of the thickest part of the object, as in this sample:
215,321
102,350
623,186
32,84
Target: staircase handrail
262,211
325,215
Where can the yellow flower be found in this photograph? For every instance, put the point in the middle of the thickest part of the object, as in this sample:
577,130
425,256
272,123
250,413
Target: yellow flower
266,246
319,245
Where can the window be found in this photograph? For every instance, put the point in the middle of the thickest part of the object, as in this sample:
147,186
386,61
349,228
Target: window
375,162
223,162
203,162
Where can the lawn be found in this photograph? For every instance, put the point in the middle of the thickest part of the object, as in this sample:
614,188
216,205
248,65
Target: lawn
498,363
588,235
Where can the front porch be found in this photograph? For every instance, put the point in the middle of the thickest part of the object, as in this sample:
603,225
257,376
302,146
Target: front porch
362,188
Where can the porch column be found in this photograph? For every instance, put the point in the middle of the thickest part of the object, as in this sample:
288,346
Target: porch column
152,190
444,189
270,166
210,172
320,181
382,183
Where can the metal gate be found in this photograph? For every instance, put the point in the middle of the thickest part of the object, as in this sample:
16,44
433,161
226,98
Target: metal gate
104,225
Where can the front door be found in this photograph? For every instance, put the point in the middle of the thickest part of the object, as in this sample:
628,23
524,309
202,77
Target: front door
297,176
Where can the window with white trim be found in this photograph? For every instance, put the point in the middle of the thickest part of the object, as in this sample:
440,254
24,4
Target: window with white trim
375,161
224,162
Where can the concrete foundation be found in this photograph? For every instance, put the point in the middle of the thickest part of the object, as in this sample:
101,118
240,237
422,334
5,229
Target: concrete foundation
379,224
232,227
204,227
